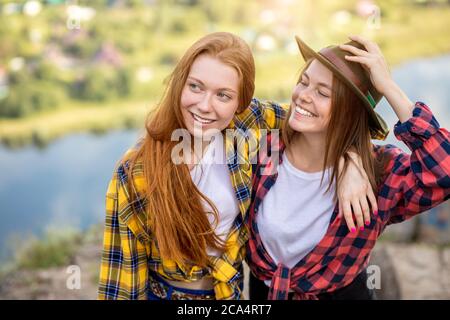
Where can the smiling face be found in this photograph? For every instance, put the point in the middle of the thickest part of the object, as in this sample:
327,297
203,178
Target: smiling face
210,95
311,100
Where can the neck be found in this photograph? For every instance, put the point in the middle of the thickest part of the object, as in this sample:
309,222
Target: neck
306,151
200,147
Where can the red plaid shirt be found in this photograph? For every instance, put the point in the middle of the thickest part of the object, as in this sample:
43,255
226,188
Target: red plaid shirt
413,183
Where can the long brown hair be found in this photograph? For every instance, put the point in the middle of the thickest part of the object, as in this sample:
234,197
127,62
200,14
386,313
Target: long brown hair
348,129
175,212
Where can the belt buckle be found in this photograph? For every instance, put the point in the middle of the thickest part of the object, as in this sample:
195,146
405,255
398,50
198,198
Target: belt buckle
158,288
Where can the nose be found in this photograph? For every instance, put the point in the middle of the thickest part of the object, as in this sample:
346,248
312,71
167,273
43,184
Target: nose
204,105
304,94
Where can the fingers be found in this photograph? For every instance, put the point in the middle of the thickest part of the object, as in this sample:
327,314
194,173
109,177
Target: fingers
348,216
365,210
356,51
357,211
373,201
365,61
362,60
371,46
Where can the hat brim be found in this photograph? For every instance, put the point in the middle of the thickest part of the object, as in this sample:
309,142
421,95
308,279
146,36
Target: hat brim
378,127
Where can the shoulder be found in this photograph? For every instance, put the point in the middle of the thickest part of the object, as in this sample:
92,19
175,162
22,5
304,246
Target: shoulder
261,109
261,106
129,166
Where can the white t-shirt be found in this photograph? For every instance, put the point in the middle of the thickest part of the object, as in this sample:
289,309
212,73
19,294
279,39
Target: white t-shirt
295,214
212,177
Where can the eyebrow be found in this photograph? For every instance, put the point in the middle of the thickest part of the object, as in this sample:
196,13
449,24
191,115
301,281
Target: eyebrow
320,83
220,89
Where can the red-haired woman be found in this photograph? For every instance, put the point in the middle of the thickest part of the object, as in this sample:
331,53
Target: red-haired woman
174,230
298,247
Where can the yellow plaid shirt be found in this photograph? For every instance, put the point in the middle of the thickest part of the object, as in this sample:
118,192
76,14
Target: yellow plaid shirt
129,249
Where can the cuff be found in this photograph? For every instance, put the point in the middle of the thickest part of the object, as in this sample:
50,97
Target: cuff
417,129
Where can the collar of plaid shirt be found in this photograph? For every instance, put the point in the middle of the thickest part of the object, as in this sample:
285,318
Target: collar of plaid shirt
334,263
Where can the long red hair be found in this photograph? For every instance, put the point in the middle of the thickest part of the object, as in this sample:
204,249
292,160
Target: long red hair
174,208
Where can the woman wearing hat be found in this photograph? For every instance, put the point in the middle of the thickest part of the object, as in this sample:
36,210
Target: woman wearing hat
298,247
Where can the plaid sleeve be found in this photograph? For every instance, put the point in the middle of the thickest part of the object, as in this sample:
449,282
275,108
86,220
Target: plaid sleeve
121,274
421,180
112,256
263,114
419,128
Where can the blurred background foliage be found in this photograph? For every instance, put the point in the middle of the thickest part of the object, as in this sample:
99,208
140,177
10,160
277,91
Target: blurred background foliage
70,66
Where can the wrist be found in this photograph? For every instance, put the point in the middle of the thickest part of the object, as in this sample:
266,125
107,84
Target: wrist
389,88
399,101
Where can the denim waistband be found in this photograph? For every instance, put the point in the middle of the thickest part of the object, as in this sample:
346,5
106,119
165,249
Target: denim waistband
161,289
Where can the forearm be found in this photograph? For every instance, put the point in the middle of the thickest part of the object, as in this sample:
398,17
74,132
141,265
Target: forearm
399,101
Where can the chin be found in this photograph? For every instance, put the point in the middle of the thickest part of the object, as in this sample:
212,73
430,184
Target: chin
297,126
203,132
306,126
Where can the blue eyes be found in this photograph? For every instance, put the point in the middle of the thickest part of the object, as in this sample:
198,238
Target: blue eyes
223,95
193,86
196,88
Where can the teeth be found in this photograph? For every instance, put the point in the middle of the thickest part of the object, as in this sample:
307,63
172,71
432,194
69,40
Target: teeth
202,120
304,112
